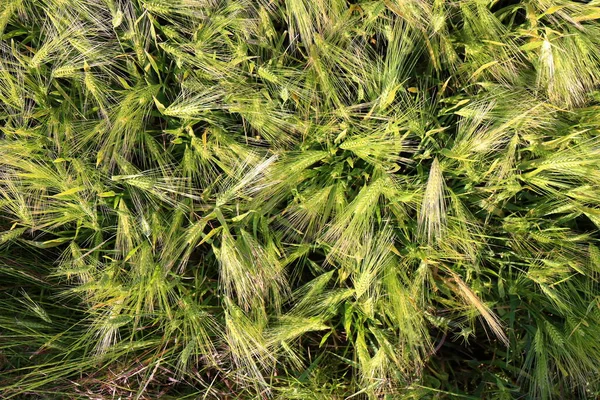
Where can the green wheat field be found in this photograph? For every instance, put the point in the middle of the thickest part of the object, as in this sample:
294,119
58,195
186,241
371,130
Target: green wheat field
299,199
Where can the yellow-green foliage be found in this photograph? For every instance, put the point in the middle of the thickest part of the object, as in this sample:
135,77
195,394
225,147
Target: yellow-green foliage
299,199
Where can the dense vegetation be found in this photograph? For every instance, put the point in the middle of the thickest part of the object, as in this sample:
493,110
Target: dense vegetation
299,199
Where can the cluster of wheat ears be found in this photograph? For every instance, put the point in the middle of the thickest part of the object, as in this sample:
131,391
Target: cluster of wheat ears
299,199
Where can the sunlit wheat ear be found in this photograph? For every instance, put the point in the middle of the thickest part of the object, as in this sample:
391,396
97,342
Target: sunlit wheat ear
246,344
375,259
567,65
10,8
12,88
492,320
309,216
348,230
432,215
307,19
250,178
